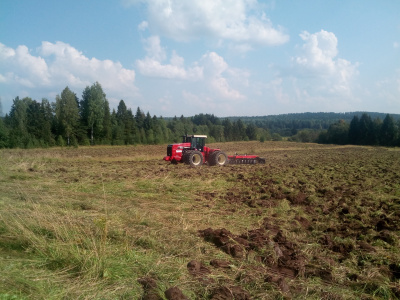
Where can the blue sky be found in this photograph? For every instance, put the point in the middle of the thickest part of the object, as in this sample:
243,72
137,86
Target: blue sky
223,57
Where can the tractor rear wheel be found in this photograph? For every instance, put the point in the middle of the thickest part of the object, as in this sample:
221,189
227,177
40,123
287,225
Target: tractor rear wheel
195,158
218,158
211,159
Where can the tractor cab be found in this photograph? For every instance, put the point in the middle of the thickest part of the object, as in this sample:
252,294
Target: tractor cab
197,142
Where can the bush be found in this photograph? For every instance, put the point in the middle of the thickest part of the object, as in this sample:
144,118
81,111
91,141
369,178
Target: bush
276,137
60,141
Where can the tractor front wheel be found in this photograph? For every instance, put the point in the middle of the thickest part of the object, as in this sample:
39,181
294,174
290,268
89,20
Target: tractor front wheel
185,157
195,158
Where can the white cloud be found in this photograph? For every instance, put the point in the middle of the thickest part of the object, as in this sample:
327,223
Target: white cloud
214,64
241,48
67,63
57,65
215,68
143,26
319,61
319,50
23,68
239,21
153,48
5,52
221,86
317,79
208,71
152,65
202,102
207,83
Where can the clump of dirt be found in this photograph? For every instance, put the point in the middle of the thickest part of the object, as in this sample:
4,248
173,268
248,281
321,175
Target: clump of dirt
337,246
297,198
150,289
219,263
387,223
151,292
306,224
174,293
388,237
285,261
366,247
224,239
318,271
279,281
230,293
290,260
199,271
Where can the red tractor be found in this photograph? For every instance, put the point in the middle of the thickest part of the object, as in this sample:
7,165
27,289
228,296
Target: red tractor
192,151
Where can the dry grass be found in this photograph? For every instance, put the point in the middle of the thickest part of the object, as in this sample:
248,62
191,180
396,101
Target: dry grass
89,222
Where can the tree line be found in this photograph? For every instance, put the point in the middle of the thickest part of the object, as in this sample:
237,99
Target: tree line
363,131
288,125
70,121
73,121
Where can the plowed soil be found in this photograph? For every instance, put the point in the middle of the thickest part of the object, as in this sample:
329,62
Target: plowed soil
314,222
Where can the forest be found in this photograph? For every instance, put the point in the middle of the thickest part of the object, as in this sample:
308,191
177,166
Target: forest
70,121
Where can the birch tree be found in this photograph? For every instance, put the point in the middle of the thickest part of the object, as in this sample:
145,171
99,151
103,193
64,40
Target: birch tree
67,113
92,109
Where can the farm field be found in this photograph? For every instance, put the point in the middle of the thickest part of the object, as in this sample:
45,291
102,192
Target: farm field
314,222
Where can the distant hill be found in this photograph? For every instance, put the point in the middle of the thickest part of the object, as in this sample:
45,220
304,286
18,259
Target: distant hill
289,124
325,116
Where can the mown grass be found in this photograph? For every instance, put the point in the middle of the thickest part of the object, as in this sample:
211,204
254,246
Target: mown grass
87,223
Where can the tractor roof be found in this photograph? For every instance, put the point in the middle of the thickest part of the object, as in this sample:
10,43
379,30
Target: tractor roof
196,135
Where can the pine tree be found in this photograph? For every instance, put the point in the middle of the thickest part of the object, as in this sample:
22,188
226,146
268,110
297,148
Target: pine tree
131,135
17,121
47,122
148,122
251,132
366,130
3,134
228,130
239,131
33,125
139,118
107,128
117,131
126,123
354,131
388,132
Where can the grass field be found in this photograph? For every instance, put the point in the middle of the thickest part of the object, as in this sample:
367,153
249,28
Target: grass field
314,222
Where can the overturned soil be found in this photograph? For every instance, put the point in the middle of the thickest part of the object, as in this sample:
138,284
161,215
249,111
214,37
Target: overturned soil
325,215
314,222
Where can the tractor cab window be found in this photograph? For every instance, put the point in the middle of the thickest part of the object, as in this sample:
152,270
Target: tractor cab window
198,143
187,139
